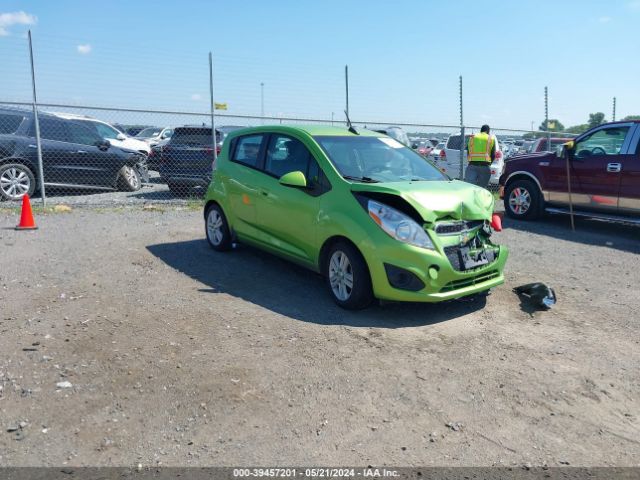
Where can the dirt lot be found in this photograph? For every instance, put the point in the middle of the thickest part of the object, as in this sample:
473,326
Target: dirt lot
177,355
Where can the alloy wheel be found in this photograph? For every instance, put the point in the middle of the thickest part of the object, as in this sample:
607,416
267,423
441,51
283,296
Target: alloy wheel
215,227
131,177
15,182
520,201
341,275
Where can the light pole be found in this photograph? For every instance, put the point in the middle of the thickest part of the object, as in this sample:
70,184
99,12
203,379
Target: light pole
262,100
532,122
331,118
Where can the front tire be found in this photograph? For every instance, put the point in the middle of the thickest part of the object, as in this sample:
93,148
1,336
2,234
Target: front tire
217,229
523,200
16,181
129,179
347,277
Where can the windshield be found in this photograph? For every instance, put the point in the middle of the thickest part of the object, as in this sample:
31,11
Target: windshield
377,159
149,132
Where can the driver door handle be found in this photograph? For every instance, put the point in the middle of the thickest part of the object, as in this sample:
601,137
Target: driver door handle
614,167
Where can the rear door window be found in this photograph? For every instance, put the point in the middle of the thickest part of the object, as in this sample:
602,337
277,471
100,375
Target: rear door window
51,129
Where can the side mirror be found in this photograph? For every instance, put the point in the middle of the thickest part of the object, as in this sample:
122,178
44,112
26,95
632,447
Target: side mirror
103,144
566,149
414,145
121,136
294,179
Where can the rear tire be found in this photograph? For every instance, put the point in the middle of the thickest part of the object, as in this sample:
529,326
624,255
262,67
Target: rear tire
347,276
523,200
129,179
16,180
217,229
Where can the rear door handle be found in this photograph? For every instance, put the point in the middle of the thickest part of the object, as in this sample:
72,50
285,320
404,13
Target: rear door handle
264,192
614,167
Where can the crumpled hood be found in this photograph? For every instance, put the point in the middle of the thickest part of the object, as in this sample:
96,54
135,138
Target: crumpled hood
435,200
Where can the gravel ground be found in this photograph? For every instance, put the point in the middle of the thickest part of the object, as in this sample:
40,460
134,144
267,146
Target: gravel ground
124,339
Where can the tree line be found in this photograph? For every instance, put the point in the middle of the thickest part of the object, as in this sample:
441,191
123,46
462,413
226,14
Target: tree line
595,119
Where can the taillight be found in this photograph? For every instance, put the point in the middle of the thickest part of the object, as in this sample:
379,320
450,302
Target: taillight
498,155
208,150
443,154
218,148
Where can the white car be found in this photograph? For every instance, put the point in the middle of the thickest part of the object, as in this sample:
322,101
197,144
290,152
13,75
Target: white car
109,132
450,164
153,135
435,153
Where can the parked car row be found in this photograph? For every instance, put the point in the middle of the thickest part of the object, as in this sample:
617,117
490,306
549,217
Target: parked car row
74,155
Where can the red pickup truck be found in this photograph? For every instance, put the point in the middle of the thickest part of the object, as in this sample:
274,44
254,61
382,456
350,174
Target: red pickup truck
604,170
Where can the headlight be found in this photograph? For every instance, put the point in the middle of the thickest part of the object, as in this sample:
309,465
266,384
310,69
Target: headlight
398,225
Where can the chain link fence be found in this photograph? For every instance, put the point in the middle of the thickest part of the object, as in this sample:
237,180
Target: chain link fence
107,156
91,154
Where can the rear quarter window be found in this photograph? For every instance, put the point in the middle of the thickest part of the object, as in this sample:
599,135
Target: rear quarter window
9,123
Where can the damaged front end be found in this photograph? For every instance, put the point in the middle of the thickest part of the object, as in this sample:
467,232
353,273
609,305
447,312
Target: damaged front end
467,244
443,242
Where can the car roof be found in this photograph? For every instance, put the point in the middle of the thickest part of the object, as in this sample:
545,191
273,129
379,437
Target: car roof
312,130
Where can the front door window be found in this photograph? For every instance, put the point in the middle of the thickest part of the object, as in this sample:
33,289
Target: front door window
603,142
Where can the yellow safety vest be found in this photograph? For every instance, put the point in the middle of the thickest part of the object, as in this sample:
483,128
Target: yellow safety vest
479,148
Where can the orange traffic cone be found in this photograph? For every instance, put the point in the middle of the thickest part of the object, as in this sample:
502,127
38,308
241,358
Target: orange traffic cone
496,222
26,218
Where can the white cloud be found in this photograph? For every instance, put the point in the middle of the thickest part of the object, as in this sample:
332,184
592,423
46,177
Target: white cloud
604,19
196,97
84,49
15,18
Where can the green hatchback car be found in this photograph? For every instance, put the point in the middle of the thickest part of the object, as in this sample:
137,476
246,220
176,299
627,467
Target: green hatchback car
376,219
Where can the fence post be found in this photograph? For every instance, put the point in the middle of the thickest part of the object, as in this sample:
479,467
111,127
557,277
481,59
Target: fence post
37,124
461,135
546,116
213,106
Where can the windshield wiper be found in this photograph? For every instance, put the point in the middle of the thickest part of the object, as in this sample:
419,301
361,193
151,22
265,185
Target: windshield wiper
360,179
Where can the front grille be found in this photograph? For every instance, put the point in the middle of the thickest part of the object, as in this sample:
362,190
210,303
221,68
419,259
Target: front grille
455,259
453,228
468,282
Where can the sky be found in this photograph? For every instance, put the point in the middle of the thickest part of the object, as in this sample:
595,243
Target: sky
404,57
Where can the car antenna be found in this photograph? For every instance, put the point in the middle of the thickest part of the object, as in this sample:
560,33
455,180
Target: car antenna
351,127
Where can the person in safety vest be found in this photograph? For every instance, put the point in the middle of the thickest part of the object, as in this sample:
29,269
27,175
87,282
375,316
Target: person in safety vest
481,153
